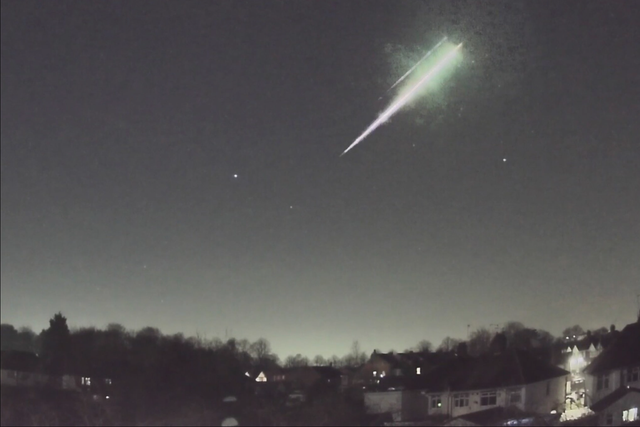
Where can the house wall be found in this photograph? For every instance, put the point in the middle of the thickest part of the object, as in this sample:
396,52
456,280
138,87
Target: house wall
415,406
630,400
22,379
474,403
536,399
383,401
615,381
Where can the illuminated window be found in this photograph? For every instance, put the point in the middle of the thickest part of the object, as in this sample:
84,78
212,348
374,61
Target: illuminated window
418,371
436,402
630,415
633,374
262,378
375,373
86,381
461,400
108,381
488,398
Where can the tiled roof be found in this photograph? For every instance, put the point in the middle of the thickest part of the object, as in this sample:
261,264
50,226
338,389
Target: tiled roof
613,397
511,368
623,352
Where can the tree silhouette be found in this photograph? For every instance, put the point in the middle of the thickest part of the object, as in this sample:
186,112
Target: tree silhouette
296,361
573,332
448,344
424,346
479,341
56,346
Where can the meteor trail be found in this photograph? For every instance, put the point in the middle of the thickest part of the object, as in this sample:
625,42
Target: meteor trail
404,99
418,63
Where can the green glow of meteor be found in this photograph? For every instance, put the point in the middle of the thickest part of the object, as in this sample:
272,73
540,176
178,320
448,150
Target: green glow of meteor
410,94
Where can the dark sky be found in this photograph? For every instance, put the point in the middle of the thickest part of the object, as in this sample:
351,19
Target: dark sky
176,164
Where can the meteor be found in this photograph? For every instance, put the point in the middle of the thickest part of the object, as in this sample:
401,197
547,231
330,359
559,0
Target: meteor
405,98
418,63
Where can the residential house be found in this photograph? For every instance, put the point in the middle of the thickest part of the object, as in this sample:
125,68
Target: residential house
21,369
509,378
381,365
613,379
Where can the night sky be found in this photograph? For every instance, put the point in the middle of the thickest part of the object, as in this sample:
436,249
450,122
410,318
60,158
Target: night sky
176,164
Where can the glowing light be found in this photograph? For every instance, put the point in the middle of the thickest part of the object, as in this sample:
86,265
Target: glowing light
405,98
235,175
417,63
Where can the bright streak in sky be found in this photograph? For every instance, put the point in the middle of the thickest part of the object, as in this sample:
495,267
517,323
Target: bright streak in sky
405,98
418,63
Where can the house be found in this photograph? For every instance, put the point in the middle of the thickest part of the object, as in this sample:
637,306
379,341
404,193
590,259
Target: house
613,378
619,407
500,416
464,385
21,369
381,365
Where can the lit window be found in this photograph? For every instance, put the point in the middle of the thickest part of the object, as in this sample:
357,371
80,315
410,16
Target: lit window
436,402
417,371
375,373
262,378
630,415
108,381
461,400
488,398
86,381
382,374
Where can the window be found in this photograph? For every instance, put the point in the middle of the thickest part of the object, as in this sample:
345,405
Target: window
436,402
515,396
86,381
461,400
418,371
633,374
488,398
602,382
108,381
375,373
608,419
630,415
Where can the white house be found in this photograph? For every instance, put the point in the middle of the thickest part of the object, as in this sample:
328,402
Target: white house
508,379
613,379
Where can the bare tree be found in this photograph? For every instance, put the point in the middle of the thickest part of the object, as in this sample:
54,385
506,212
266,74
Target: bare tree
261,350
479,341
356,357
320,361
296,361
448,344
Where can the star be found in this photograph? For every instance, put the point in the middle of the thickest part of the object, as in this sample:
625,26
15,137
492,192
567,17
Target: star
235,175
